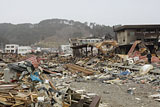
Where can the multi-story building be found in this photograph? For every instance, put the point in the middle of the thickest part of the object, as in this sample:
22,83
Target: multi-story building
11,48
82,41
126,36
81,46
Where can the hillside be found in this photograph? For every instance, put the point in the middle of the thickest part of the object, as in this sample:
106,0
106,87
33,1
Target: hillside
50,33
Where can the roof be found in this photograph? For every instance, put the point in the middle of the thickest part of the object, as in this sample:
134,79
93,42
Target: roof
81,46
12,44
156,26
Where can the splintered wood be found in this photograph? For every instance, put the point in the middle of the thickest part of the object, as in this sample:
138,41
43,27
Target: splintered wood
13,95
77,68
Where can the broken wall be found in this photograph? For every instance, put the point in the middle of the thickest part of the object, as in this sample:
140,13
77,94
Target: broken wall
126,36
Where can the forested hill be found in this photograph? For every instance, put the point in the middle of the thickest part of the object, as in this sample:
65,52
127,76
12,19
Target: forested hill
51,32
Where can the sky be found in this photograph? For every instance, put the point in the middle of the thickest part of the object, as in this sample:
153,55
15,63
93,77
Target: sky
106,12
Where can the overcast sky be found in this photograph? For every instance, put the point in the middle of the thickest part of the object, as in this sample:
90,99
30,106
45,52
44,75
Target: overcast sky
107,12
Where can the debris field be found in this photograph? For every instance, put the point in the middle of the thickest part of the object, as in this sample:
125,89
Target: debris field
104,80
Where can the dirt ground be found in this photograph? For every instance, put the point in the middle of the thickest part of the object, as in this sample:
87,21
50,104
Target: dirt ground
113,95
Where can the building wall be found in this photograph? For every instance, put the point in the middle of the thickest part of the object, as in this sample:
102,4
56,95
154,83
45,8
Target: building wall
65,49
86,41
126,36
131,37
121,37
11,48
24,50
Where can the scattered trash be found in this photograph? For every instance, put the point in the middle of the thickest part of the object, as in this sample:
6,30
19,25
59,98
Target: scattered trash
46,80
35,77
131,91
127,72
145,69
138,99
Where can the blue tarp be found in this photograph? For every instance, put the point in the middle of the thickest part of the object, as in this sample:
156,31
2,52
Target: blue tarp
35,77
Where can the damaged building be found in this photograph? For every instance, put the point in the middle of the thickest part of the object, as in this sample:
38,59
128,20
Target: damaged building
148,34
83,46
65,50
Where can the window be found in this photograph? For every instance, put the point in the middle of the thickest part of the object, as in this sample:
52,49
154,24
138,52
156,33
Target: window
12,51
131,33
152,31
12,46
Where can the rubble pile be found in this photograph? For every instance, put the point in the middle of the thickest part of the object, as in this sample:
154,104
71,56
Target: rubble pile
45,80
123,72
36,83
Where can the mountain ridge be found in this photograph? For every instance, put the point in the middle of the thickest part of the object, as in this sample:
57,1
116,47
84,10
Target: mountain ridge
56,30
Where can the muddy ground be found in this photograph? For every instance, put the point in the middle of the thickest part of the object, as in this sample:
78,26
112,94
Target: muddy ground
113,95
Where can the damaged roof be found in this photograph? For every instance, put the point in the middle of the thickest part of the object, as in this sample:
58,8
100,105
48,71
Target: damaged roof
156,26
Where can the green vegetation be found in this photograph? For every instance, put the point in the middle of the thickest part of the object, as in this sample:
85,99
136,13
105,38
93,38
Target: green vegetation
53,31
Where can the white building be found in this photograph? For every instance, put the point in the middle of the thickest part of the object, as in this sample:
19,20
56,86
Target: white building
65,50
81,41
11,48
1,51
89,40
24,50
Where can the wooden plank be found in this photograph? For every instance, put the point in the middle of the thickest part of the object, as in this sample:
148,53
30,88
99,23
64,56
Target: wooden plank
80,69
95,101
